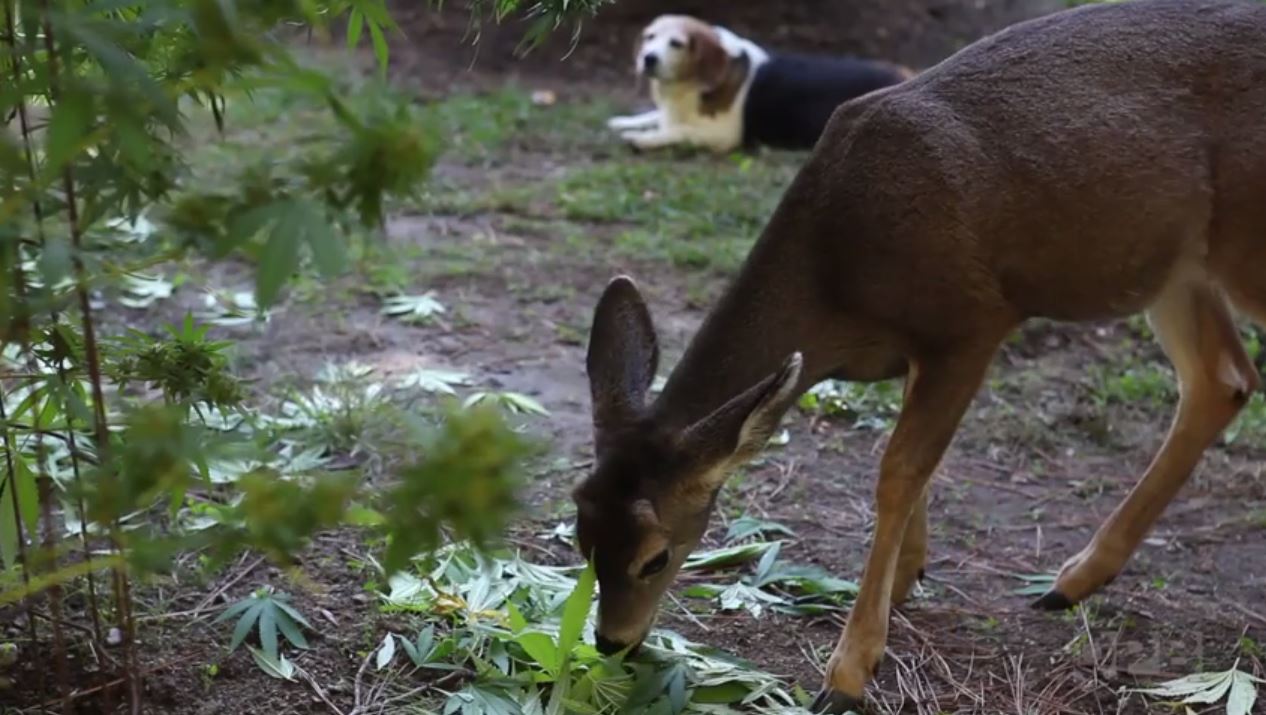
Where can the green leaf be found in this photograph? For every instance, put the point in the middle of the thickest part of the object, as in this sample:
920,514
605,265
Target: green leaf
677,689
268,630
290,629
541,648
1242,696
386,652
412,651
244,624
67,129
380,46
766,564
274,667
23,487
355,25
1038,583
277,262
748,526
576,610
1236,686
234,610
753,600
328,251
728,556
436,381
290,611
517,621
413,308
425,643
522,403
360,515
724,694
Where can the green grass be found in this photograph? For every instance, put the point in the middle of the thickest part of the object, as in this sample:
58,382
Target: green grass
696,214
483,128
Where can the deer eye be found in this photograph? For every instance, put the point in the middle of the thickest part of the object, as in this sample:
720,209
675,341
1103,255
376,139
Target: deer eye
675,43
655,565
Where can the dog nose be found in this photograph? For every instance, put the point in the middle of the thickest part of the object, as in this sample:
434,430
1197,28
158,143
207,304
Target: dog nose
606,646
649,63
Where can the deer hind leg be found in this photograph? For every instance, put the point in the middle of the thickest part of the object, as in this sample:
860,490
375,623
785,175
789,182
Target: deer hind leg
914,551
939,393
1215,379
914,543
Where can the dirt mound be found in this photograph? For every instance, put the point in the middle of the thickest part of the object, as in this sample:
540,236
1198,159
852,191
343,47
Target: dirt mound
917,33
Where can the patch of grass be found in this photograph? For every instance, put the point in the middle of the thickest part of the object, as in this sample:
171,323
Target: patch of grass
1139,384
700,214
484,126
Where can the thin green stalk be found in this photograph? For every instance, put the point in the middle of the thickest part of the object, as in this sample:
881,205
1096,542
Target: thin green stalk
93,358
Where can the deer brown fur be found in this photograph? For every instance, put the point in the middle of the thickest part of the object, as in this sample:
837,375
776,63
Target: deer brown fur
1086,165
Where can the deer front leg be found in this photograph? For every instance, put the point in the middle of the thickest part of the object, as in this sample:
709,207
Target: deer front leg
938,393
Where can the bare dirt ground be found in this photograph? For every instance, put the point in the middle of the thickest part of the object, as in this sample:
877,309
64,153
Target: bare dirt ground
1070,416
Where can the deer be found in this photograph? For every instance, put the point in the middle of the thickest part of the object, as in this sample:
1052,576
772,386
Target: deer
1088,165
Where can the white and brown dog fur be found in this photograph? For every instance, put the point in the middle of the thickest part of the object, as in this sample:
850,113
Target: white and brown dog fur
717,90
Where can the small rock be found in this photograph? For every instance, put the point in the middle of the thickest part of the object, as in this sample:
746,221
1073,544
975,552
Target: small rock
8,654
114,637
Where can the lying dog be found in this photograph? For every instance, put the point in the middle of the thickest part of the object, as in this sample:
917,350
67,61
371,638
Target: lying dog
720,91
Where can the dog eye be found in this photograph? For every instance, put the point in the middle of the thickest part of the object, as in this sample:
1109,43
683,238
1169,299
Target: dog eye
649,36
675,43
655,565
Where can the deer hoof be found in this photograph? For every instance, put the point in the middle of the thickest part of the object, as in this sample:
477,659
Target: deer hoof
1053,601
835,703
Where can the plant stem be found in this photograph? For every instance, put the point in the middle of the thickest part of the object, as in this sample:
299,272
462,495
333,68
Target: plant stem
122,591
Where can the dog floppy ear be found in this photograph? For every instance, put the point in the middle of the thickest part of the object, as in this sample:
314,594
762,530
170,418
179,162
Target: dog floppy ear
708,56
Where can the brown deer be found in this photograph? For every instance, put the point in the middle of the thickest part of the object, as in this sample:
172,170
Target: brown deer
1086,165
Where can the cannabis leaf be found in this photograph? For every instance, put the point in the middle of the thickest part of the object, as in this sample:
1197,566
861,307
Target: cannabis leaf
272,612
413,308
434,380
1239,689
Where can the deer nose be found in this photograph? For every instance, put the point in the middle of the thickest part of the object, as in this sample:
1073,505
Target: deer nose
606,646
649,63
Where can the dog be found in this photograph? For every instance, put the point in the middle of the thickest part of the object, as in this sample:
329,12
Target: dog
717,90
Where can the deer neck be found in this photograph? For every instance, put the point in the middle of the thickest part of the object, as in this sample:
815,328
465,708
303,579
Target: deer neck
765,315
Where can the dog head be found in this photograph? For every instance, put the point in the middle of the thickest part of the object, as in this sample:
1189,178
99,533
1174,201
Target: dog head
680,48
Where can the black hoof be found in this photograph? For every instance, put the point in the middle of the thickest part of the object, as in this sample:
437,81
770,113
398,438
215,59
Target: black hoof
921,574
835,703
1053,601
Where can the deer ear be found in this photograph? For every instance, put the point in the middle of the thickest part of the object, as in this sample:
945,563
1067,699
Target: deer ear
623,354
742,426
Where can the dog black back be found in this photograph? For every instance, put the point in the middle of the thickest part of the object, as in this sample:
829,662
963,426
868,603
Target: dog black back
792,96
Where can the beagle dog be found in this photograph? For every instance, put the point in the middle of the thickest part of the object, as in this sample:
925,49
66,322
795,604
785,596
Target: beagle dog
716,90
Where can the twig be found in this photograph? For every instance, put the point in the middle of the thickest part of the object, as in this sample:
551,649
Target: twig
1244,610
320,692
788,472
241,574
692,617
360,678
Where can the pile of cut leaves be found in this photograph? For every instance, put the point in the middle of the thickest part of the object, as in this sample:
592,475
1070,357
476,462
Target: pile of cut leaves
514,638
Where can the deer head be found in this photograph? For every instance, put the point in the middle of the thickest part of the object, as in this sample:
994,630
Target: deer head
646,504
